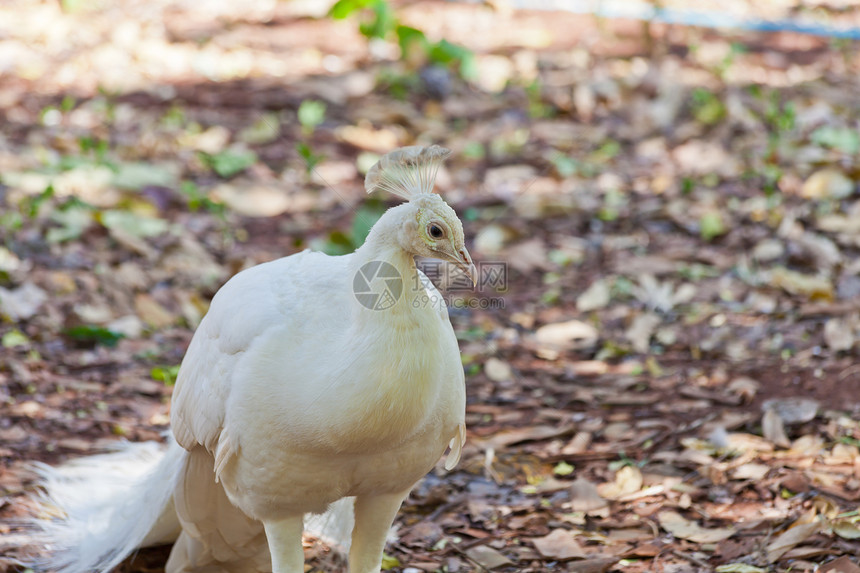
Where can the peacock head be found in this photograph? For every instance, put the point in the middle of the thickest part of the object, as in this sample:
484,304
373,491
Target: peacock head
431,228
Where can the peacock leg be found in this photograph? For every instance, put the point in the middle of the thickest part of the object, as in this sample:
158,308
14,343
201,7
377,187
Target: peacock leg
285,544
373,517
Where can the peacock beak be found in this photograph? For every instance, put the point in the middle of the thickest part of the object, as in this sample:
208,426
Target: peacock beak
465,263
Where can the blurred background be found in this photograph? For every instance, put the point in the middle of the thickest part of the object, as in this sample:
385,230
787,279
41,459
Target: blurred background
662,359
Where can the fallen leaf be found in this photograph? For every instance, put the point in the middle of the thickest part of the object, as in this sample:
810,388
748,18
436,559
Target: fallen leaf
773,429
254,199
793,410
531,433
788,539
528,256
739,568
573,334
750,471
846,528
744,387
843,564
497,370
594,297
151,312
594,565
129,223
23,302
827,184
813,287
14,338
560,544
681,527
839,334
585,497
640,331
627,480
487,557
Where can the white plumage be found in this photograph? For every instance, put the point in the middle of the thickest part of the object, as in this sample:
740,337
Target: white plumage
295,394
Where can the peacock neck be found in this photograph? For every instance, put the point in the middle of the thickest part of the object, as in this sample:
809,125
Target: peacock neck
390,271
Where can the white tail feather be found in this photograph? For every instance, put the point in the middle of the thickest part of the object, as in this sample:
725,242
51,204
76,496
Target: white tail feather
97,510
334,527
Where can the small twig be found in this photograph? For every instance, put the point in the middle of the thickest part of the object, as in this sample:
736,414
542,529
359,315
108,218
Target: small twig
691,558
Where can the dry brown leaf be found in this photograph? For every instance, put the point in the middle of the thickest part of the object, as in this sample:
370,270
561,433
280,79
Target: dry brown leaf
560,544
151,312
843,564
515,436
813,287
594,297
790,538
497,370
773,429
528,256
744,387
23,302
487,557
573,334
750,471
808,445
826,184
640,331
846,528
793,410
749,443
627,480
585,497
681,527
594,565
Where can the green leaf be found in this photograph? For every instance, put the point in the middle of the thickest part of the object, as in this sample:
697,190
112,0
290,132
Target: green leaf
474,150
15,338
563,469
444,52
389,562
383,23
73,222
338,244
94,334
166,374
409,38
30,205
229,163
842,139
707,107
311,113
565,166
132,223
711,225
311,158
344,8
265,130
140,175
366,216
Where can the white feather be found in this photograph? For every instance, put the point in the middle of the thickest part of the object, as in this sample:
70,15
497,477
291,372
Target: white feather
100,508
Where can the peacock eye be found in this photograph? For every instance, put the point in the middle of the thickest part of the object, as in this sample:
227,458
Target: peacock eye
435,231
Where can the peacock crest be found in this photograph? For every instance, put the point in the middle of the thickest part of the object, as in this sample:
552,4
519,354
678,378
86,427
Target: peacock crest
407,172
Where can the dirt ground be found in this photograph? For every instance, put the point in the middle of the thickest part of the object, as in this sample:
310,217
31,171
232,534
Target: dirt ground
665,377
